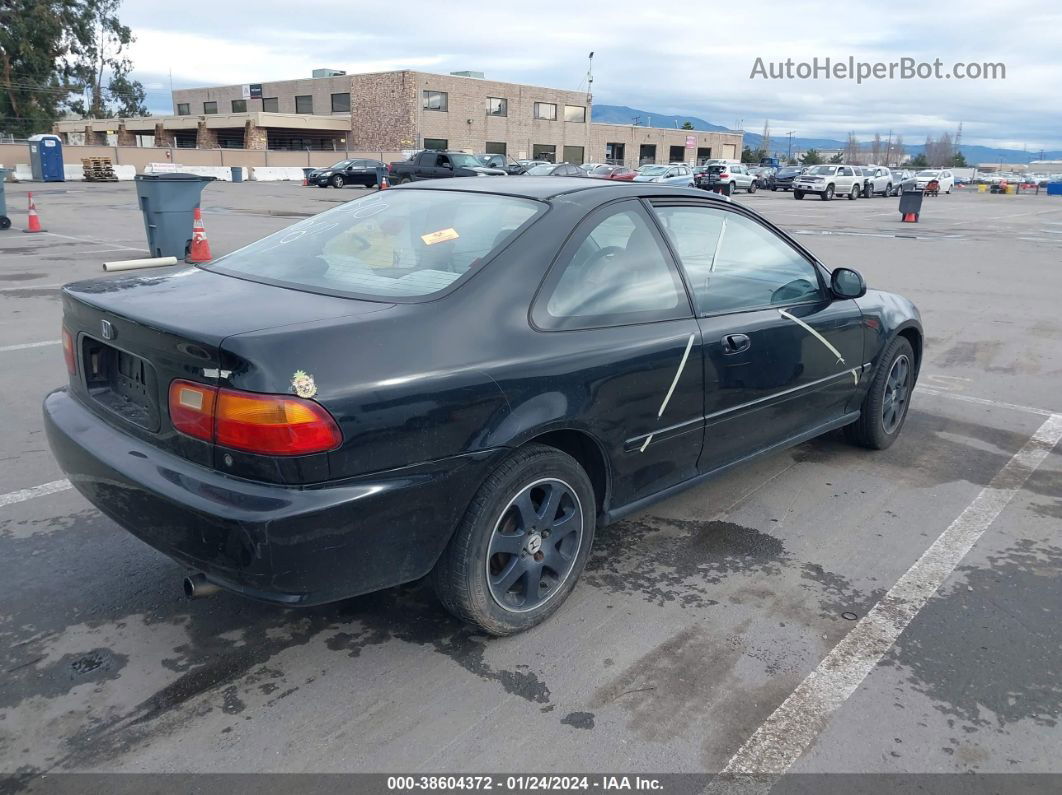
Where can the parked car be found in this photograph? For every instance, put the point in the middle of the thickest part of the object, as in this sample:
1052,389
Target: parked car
555,170
439,164
613,172
876,180
725,178
764,176
668,175
588,167
783,179
359,171
899,177
206,410
826,181
504,162
943,176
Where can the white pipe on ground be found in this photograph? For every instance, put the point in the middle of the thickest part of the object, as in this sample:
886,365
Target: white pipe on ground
130,264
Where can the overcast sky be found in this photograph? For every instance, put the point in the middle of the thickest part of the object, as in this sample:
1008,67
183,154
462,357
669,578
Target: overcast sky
692,57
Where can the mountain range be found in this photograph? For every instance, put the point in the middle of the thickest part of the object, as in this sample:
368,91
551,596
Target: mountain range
622,114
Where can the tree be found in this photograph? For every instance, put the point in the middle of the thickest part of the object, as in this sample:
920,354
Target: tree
875,149
752,155
958,160
811,158
687,125
48,52
837,158
919,161
851,149
898,150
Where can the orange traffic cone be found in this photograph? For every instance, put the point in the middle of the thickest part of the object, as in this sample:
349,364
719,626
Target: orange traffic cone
910,218
384,184
199,251
34,224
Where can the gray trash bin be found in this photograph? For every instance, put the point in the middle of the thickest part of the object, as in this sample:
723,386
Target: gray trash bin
910,201
237,173
5,222
168,202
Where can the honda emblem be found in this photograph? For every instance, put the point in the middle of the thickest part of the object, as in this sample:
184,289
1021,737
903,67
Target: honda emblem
106,329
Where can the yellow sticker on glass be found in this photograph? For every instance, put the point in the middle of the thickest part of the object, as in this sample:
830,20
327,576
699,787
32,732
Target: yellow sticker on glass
440,237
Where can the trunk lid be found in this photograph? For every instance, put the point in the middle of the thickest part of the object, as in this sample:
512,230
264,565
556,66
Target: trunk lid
136,333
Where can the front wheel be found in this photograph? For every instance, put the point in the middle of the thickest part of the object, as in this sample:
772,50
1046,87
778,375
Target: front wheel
5,222
522,544
885,406
827,194
338,181
798,194
752,187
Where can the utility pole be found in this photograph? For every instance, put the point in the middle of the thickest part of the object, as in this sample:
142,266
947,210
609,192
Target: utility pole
789,153
765,144
888,152
589,103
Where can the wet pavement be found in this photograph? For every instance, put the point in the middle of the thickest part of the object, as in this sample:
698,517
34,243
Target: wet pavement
694,620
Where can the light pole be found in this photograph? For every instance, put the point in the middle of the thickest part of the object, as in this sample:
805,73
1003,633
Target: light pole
789,154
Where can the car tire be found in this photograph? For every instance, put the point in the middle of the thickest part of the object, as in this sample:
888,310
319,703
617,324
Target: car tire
729,189
774,188
888,191
827,195
881,419
752,187
462,577
338,181
798,194
322,184
853,194
405,180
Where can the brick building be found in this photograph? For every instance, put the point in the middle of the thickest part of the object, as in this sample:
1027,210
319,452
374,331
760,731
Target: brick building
402,111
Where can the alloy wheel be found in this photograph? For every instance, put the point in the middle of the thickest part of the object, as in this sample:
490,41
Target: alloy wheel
897,392
534,545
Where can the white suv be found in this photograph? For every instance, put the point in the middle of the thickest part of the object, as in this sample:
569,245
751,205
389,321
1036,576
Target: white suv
828,181
877,179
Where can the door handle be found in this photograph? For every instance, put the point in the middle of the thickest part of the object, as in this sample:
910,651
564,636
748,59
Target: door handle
736,343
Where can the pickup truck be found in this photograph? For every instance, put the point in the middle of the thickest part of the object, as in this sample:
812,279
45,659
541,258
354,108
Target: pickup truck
435,164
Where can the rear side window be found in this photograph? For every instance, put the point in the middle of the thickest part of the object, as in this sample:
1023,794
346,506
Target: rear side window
389,245
614,271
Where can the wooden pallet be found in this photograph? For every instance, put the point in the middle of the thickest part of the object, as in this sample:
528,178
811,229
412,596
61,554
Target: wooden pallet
98,169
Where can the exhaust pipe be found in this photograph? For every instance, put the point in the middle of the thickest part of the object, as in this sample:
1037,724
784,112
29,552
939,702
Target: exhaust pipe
197,586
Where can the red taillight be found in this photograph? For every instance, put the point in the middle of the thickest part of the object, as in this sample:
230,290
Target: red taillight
254,423
724,176
192,409
68,352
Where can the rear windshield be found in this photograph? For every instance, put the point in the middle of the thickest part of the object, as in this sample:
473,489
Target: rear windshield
388,245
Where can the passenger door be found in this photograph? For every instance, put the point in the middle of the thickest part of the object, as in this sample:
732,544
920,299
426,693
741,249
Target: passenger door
618,314
781,357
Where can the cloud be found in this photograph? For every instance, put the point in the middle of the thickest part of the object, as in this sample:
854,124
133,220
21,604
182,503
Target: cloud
693,60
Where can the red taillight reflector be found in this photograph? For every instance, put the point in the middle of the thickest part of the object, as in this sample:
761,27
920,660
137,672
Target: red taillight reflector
68,352
192,409
273,425
251,422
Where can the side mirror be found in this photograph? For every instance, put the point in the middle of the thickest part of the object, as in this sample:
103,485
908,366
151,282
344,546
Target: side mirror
847,283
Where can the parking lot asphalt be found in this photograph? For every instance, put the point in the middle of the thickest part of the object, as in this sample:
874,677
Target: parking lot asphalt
688,644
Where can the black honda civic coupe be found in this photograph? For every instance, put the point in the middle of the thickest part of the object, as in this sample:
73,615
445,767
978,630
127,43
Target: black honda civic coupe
461,378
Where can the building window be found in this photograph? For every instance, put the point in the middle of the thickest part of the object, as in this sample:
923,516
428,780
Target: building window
210,107
183,109
436,100
304,104
239,106
676,154
496,148
547,152
573,154
704,153
646,154
546,111
496,106
436,143
575,113
614,153
341,103
270,105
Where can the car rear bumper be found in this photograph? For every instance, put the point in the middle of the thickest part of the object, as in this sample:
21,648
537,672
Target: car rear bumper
290,545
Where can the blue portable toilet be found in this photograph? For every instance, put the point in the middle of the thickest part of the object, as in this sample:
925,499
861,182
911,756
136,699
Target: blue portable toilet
46,158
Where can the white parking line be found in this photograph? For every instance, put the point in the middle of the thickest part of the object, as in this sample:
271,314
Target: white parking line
30,287
24,345
793,726
928,390
37,491
117,246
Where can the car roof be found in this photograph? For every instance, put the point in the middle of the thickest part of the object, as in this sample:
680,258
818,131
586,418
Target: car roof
547,187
